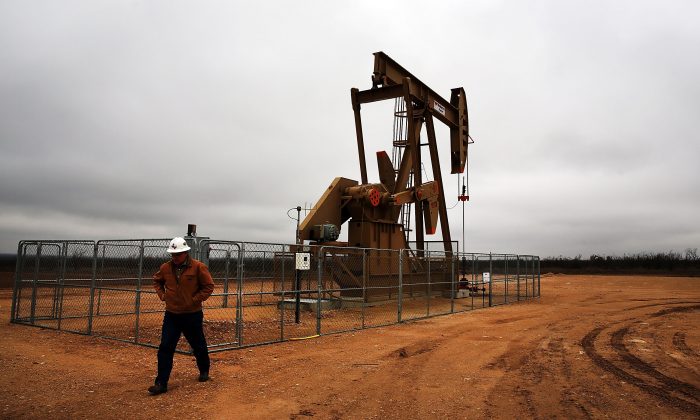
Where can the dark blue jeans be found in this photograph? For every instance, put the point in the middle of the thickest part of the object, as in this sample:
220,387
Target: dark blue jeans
173,326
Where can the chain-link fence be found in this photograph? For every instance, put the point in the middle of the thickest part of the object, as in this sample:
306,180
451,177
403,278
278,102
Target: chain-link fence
105,288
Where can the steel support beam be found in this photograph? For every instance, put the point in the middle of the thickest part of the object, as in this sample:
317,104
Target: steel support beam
358,131
437,176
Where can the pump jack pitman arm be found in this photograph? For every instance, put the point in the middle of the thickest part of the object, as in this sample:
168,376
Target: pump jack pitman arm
429,193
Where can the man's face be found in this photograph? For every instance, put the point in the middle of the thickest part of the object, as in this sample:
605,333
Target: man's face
179,258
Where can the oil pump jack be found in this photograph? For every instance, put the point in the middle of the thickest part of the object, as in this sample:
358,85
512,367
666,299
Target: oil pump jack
373,209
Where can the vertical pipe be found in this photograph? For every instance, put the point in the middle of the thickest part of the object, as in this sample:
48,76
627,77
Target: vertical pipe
137,309
473,281
400,300
297,296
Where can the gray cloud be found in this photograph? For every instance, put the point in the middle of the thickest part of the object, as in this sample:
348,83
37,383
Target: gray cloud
133,119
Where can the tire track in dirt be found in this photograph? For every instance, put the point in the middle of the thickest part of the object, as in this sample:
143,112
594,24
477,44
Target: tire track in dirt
660,304
617,341
526,394
526,365
380,372
675,310
679,343
588,344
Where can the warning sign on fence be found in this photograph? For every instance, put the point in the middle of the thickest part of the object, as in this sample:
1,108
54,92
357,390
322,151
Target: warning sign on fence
303,261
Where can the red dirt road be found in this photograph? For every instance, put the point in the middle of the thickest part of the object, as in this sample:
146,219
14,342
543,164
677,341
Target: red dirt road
591,347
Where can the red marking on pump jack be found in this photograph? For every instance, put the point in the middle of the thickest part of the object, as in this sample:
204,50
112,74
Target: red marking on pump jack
463,198
374,197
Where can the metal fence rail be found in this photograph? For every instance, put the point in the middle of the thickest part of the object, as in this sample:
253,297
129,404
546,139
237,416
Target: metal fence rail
104,288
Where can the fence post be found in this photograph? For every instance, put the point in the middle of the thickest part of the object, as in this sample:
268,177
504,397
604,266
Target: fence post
532,258
400,300
19,267
452,281
283,302
227,267
32,313
364,284
92,287
526,273
239,294
473,281
505,262
490,278
137,308
428,288
318,306
58,296
517,276
102,273
539,291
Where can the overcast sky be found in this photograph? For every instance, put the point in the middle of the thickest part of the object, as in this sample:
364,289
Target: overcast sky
131,119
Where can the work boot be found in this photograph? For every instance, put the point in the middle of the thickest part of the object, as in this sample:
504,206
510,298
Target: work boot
203,376
157,388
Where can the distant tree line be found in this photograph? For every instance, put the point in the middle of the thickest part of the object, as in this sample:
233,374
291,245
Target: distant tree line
659,263
662,263
7,262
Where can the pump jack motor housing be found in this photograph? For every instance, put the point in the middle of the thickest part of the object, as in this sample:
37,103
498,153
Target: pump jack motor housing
373,209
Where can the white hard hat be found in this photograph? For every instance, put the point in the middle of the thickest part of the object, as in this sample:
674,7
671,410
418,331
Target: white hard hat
178,245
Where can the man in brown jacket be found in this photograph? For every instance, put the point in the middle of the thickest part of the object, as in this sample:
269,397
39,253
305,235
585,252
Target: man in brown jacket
183,283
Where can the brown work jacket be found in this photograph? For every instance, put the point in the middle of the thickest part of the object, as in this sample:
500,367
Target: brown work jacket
183,294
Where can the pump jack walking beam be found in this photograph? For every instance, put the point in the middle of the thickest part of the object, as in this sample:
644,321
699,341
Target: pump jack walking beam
388,83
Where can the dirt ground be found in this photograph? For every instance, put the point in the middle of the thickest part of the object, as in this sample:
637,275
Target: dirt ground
591,347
